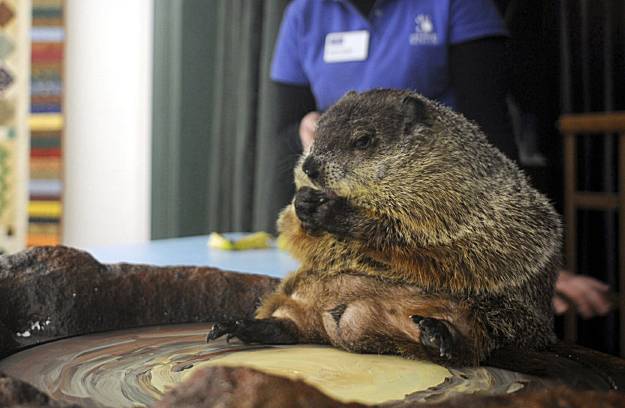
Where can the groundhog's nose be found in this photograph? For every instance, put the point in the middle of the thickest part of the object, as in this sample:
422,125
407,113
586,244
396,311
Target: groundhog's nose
311,168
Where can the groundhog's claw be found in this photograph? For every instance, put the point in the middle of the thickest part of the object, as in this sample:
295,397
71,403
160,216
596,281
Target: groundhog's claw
219,329
435,334
319,211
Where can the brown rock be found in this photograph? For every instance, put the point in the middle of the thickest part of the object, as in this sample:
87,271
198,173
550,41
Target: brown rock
6,339
560,397
52,292
226,387
15,393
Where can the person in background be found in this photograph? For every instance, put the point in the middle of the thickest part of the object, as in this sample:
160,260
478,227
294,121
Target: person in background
452,51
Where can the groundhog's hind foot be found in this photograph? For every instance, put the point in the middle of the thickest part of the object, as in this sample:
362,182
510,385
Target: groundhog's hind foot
264,331
436,334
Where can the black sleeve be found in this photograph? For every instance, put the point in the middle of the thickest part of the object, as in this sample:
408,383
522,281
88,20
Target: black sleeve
480,76
292,103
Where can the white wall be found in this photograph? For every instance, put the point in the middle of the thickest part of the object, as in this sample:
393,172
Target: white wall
107,145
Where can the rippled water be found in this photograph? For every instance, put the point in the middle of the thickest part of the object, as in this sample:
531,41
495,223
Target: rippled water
132,368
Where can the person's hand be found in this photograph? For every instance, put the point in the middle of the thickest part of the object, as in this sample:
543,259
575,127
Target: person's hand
589,296
307,128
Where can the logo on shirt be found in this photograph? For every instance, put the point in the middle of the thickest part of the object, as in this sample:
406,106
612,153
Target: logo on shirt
424,33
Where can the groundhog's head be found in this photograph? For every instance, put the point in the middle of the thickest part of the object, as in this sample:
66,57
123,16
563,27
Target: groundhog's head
391,143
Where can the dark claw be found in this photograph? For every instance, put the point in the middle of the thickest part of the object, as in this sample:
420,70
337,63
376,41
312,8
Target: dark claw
435,334
221,328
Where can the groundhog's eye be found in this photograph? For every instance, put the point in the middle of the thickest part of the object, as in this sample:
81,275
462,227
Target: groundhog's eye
362,142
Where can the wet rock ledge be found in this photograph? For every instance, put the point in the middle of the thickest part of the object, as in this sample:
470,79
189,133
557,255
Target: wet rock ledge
54,292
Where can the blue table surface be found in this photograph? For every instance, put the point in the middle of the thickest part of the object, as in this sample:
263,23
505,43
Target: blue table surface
193,251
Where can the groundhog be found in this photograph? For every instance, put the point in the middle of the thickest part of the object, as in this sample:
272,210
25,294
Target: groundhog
415,236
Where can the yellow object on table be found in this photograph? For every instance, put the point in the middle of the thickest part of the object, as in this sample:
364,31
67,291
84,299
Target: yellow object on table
257,240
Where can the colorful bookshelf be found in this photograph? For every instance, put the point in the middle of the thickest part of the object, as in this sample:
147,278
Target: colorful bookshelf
46,123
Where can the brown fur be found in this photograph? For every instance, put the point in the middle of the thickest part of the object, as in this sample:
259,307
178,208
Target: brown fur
402,208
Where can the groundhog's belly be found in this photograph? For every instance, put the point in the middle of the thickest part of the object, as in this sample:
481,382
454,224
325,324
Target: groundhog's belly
357,313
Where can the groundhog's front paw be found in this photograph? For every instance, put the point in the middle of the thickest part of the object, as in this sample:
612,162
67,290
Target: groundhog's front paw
263,331
435,334
319,212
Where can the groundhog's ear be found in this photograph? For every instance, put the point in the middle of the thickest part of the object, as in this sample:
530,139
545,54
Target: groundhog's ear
415,112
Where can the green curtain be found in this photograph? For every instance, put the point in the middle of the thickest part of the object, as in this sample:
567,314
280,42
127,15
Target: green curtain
275,157
217,162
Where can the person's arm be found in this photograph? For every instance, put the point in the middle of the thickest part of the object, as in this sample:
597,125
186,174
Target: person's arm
293,102
479,75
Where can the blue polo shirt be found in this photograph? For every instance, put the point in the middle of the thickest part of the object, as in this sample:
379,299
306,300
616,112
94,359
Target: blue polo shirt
407,47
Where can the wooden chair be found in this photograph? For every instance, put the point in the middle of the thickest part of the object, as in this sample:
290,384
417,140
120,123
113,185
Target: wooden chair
592,125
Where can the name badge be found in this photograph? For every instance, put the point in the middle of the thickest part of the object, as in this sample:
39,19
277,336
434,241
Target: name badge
346,46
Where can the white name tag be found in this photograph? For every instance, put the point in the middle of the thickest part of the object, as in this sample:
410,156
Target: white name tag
346,46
